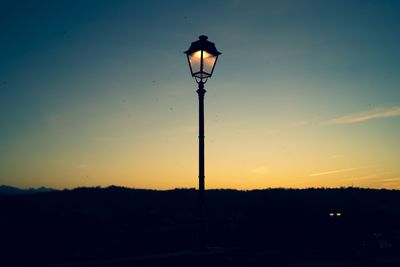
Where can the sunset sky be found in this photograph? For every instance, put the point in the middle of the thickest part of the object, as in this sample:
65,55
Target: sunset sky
305,94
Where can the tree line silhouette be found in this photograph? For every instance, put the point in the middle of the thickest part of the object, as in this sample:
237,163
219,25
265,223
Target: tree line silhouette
102,223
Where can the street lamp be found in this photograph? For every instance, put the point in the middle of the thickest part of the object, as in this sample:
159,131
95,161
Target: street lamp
202,56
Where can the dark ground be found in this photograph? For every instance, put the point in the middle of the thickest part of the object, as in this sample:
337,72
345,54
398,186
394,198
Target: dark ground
125,227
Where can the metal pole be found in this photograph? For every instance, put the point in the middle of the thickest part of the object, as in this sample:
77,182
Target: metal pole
202,228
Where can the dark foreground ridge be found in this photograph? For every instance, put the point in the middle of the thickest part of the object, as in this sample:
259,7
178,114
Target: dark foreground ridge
118,226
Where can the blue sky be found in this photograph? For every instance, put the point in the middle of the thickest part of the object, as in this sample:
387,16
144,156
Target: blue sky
99,92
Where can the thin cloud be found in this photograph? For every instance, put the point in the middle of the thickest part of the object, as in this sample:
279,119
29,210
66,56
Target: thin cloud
368,115
391,179
392,182
375,176
82,166
262,170
337,171
298,124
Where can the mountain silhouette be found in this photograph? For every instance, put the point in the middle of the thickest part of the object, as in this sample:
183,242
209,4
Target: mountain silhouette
10,190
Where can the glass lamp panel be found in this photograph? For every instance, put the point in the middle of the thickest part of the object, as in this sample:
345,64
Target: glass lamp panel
208,62
195,61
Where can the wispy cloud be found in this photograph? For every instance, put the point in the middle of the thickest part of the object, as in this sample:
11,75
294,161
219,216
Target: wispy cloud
392,182
337,171
382,176
82,166
377,113
391,179
262,170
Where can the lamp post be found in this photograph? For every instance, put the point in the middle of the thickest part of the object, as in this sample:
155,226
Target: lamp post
202,56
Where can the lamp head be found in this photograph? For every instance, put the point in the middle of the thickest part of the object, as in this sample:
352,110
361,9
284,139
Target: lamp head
202,57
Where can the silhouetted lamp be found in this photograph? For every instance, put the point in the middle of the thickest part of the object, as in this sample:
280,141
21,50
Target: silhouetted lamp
202,56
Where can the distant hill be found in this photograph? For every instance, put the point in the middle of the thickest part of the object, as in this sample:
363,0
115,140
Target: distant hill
91,224
10,190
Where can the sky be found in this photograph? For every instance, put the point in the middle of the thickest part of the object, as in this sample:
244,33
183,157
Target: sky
98,93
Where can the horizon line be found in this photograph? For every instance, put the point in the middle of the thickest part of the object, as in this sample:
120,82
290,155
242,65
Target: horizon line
194,188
